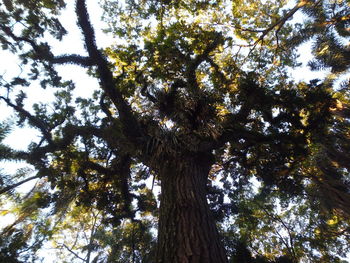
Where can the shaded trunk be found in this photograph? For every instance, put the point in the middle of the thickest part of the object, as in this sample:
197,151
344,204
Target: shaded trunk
187,231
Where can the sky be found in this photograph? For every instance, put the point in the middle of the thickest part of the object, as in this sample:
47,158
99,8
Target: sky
20,138
71,44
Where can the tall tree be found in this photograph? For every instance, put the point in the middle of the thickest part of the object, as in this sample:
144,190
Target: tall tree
195,92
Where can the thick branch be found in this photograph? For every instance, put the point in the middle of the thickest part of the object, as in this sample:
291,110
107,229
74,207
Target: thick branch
278,24
191,70
220,74
43,52
105,108
69,133
42,126
200,58
231,133
283,20
10,34
73,59
12,186
120,172
131,126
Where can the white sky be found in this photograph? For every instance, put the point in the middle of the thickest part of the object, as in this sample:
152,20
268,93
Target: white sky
85,85
71,44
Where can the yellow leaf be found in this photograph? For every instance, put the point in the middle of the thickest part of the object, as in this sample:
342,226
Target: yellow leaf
4,212
333,221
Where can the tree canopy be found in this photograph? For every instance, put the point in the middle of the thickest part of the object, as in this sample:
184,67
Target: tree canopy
196,144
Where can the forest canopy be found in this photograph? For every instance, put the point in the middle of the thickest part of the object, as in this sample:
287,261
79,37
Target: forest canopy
197,143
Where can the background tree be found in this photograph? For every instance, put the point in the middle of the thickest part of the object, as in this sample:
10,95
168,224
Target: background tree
196,97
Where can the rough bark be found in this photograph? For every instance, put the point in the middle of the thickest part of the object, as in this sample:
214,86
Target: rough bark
187,231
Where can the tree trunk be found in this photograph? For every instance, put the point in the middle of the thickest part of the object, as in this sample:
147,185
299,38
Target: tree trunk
187,231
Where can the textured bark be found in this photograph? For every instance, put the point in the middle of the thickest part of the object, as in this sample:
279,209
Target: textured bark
187,231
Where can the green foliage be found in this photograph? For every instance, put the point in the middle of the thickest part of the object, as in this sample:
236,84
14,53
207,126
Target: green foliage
187,80
11,246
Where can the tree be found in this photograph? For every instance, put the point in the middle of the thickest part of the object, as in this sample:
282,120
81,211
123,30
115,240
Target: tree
196,92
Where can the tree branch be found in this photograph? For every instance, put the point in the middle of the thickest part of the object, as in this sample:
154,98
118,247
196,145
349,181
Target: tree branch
71,251
36,122
10,34
43,52
73,59
12,186
131,126
278,24
290,247
191,69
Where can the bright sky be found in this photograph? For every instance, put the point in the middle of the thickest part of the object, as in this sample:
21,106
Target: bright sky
71,44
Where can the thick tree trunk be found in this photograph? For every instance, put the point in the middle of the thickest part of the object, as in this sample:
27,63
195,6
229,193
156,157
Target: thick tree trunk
187,231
